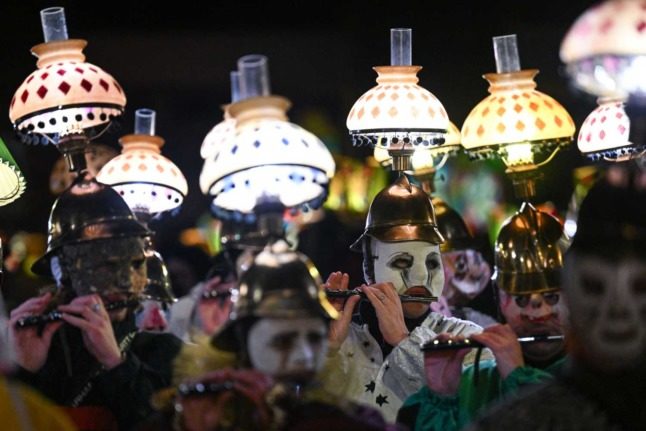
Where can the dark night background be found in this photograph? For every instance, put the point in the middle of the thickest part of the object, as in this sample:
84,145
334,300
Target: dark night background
175,58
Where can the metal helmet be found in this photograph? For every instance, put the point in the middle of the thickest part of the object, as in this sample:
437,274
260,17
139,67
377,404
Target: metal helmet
280,283
158,286
454,230
529,252
400,212
87,211
612,216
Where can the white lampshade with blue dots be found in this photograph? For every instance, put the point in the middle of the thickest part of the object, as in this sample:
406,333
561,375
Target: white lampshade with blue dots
266,159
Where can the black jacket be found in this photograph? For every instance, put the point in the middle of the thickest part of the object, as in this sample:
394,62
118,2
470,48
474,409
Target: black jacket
71,371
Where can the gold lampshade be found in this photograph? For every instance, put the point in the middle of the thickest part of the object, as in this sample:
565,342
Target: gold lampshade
516,122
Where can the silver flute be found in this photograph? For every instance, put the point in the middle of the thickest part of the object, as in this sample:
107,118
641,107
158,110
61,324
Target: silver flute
437,345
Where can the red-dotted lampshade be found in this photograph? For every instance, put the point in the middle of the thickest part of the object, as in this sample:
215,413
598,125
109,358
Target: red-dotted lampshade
65,95
605,133
605,49
148,182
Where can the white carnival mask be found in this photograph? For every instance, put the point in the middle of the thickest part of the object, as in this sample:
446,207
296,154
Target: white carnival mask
408,264
466,273
288,348
607,302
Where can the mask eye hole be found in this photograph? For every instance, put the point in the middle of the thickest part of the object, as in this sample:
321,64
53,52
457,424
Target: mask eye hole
314,338
433,262
551,298
592,286
521,300
283,341
401,261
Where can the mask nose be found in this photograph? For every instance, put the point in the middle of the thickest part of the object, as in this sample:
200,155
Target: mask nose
155,319
303,354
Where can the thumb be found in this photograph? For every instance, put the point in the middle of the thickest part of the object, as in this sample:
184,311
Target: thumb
50,330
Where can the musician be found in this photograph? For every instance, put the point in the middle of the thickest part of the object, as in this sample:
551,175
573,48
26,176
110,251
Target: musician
93,361
603,388
276,339
375,356
528,259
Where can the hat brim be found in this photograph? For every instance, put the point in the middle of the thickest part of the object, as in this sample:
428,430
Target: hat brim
528,283
401,233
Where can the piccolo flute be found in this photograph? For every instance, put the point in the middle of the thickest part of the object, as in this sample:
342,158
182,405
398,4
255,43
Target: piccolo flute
55,315
203,388
331,293
437,345
213,294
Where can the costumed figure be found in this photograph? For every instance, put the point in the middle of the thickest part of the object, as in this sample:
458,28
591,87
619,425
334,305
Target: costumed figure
275,342
602,387
79,344
22,408
466,272
528,261
375,355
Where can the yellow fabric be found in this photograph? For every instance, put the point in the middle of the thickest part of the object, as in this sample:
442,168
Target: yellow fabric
41,414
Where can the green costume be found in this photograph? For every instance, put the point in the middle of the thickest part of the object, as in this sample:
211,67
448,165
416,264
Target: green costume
426,410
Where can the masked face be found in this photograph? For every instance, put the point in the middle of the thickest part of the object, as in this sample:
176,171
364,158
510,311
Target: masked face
608,308
288,349
114,268
413,267
536,314
466,274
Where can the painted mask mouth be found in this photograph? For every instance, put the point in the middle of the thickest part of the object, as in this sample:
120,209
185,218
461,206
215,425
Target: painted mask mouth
619,335
418,291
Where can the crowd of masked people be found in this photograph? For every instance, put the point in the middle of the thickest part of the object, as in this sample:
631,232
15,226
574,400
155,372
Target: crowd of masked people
265,342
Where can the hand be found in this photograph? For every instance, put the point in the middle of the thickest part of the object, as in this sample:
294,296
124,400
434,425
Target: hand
503,342
214,313
385,300
94,322
339,328
31,348
443,368
207,412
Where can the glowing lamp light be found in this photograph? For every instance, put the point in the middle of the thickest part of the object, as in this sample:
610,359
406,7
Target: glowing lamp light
66,97
270,160
149,182
516,123
398,114
605,133
12,182
605,50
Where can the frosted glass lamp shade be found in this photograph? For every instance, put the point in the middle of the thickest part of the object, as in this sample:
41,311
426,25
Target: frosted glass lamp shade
516,122
605,49
605,133
65,95
269,159
145,179
397,110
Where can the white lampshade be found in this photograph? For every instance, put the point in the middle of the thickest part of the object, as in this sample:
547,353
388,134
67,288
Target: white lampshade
65,95
398,111
270,159
605,133
12,182
605,49
148,182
